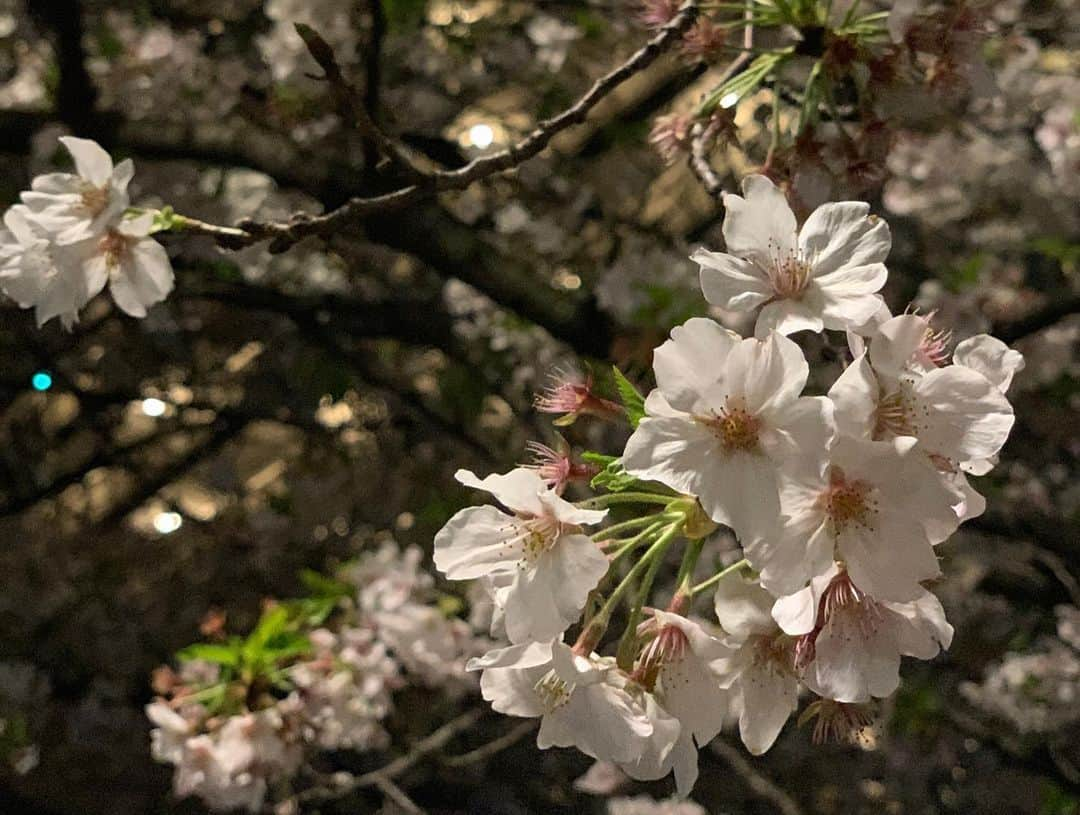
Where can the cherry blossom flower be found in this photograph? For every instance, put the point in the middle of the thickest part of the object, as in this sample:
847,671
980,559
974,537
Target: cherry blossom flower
135,266
878,506
677,666
724,418
897,389
583,702
825,275
851,643
990,357
761,673
38,274
84,204
554,565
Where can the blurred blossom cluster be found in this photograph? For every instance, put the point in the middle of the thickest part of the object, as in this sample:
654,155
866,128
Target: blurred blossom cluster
241,716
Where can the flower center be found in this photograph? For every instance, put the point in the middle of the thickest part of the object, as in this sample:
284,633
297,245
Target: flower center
847,607
536,535
113,246
774,653
789,274
668,648
894,416
736,428
553,691
95,199
849,503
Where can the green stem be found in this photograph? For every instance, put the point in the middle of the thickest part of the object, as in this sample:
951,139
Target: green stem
625,498
716,578
624,654
636,541
594,631
686,568
616,529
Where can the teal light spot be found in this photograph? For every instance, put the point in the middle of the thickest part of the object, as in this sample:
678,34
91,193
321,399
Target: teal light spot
41,381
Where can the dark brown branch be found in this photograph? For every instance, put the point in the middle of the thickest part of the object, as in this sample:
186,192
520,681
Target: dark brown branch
359,115
342,784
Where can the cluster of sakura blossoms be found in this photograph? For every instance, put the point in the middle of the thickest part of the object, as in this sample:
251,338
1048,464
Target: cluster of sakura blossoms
73,234
838,502
240,718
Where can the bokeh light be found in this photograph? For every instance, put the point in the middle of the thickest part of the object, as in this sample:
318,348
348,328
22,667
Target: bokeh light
153,407
481,135
166,522
41,381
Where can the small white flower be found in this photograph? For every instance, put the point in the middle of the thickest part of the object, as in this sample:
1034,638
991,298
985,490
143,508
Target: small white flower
897,389
38,274
680,666
825,275
135,266
725,417
761,672
878,506
84,204
990,357
583,702
851,643
554,565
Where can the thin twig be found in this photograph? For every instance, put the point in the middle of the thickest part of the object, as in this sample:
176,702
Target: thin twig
703,135
336,787
486,751
758,783
398,796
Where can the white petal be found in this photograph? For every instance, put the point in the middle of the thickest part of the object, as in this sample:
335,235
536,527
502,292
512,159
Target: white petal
802,429
990,357
527,655
691,361
850,666
767,374
547,598
742,607
511,690
91,160
893,348
923,631
768,700
674,451
961,414
760,226
137,227
121,176
843,234
518,490
478,541
731,282
789,316
891,559
855,398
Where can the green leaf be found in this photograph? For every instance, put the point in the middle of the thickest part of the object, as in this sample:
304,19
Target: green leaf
613,478
631,397
322,586
597,458
225,655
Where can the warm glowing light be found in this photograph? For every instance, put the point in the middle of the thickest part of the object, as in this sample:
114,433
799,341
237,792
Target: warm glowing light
729,100
41,381
166,522
481,136
153,407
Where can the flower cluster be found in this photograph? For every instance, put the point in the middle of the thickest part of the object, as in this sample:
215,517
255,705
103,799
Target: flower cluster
72,235
838,502
315,674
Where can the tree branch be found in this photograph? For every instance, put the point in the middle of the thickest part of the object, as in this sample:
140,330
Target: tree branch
283,235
